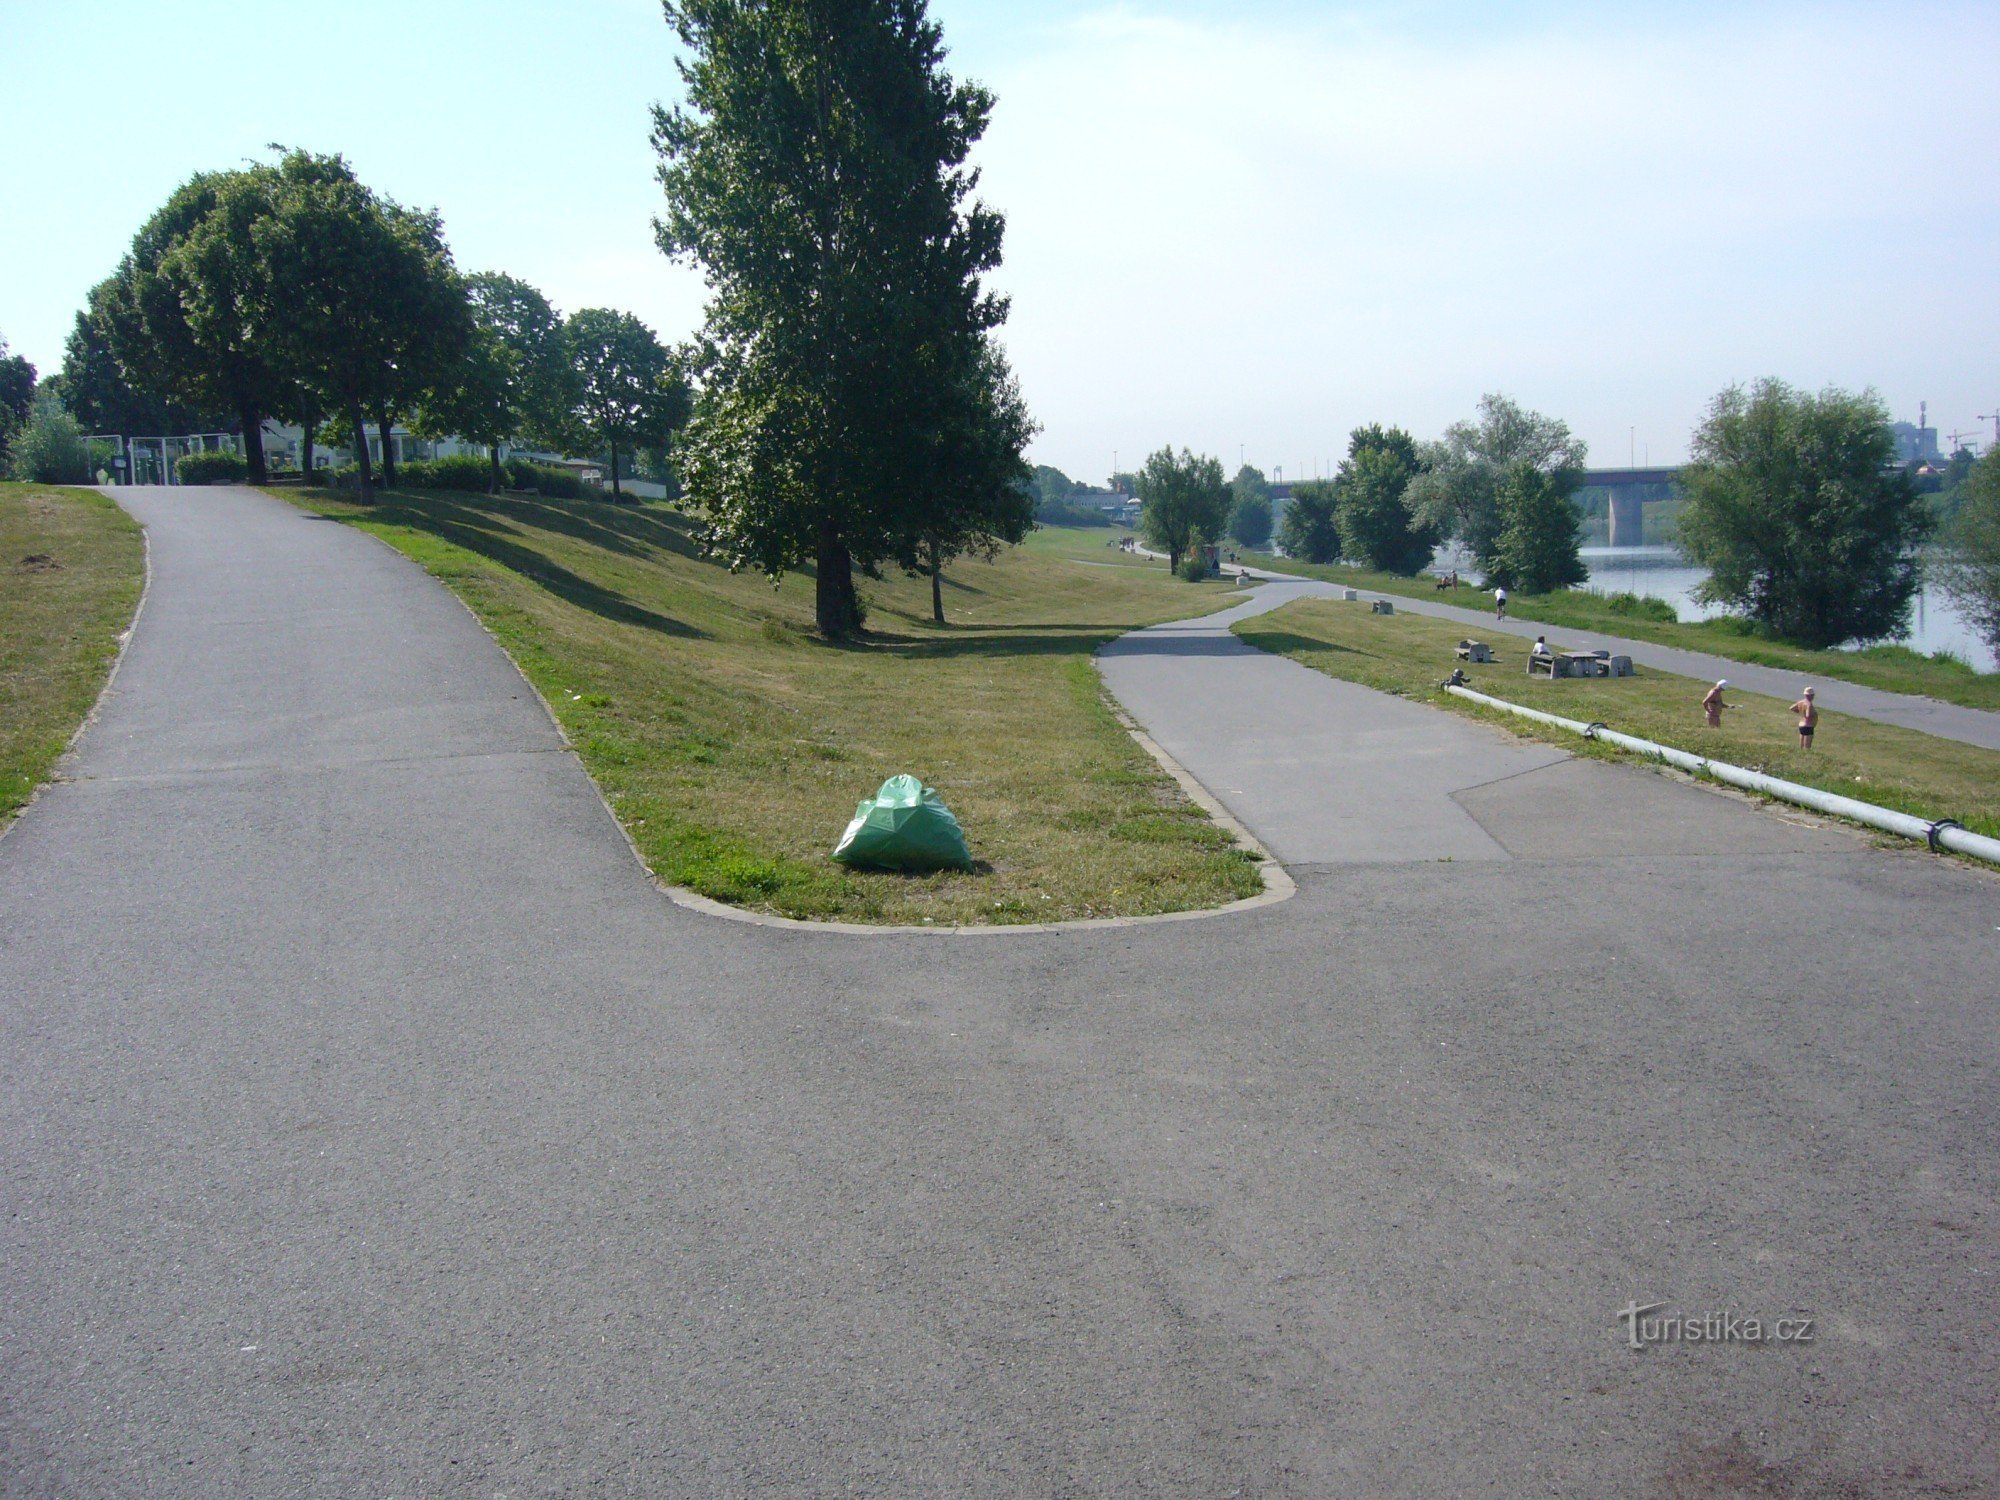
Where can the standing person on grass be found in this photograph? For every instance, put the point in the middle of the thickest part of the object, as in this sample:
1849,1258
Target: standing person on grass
1712,705
1808,713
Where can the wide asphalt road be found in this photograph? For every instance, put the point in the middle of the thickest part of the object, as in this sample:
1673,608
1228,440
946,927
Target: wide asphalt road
369,1125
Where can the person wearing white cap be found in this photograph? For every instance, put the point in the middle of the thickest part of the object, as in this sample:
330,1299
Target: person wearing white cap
1808,713
1713,705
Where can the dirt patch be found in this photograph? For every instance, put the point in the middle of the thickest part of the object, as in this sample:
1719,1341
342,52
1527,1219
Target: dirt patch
40,562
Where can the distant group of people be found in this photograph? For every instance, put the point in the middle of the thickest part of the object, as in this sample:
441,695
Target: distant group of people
1807,710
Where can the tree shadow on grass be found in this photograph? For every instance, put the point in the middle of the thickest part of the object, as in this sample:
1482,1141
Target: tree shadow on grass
474,530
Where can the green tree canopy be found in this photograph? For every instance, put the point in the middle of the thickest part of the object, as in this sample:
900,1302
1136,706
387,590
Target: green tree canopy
1458,494
95,388
819,173
978,496
1796,507
1250,507
1971,569
1308,530
1183,501
17,393
175,314
358,296
514,380
1536,551
627,392
1371,509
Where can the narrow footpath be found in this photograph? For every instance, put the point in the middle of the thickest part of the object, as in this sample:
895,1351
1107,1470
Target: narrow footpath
1952,721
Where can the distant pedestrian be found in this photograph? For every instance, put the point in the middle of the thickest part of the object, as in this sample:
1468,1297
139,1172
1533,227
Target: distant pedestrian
1712,705
1808,713
1500,604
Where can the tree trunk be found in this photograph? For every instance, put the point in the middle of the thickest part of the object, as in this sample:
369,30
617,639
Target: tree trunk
494,451
616,493
361,453
833,597
307,419
382,425
937,583
253,444
1174,561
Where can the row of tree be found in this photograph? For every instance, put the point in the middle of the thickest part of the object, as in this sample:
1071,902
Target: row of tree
1500,487
291,290
1795,504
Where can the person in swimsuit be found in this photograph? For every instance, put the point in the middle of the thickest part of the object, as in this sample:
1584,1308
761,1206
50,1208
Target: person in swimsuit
1808,713
1712,705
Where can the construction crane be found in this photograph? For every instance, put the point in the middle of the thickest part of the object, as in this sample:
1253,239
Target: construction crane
1994,418
1957,439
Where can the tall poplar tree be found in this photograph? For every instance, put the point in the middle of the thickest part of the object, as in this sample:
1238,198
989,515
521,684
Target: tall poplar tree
817,171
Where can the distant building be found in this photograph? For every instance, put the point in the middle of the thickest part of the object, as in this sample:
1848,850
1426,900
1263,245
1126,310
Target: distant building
1916,443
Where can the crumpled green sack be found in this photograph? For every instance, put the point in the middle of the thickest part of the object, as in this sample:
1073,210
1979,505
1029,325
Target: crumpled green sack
904,826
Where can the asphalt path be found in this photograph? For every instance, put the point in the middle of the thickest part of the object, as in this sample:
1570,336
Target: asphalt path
369,1125
1952,721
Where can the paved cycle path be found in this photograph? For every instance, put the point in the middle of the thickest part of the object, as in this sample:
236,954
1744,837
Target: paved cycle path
1952,721
369,1124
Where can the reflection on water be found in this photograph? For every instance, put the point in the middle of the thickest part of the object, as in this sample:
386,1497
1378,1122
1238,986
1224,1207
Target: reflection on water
1662,573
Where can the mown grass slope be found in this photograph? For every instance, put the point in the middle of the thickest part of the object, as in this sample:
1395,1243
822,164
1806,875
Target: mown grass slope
72,567
733,745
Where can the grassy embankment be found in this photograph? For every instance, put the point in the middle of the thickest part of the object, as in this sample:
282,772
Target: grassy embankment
1409,655
733,745
1895,669
72,566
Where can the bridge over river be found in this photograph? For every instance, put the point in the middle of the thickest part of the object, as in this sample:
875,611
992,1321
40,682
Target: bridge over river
1627,492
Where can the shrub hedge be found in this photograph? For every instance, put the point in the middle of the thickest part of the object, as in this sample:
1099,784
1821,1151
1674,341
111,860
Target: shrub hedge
221,466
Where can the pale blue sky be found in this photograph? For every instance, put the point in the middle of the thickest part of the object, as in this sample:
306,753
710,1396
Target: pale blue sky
1241,227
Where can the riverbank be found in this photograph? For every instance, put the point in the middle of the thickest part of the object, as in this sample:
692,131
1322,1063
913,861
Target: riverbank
1891,669
1921,774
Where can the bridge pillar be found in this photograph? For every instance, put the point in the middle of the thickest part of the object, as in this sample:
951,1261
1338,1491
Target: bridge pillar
1628,517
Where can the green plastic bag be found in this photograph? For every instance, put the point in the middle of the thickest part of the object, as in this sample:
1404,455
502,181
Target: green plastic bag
904,826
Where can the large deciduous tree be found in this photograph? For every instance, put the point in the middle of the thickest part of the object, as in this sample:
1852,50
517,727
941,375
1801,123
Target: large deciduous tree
514,379
1971,570
358,296
17,393
818,172
1458,494
626,389
977,496
1536,551
174,314
1250,508
96,388
1371,508
1797,508
1183,502
1309,529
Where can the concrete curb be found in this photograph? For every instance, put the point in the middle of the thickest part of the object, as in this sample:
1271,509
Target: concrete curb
1278,885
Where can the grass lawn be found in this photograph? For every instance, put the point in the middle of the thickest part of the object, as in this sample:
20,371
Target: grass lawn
1410,655
1895,669
72,566
733,744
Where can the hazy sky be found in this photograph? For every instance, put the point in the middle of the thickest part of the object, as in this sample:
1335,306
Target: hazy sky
1240,227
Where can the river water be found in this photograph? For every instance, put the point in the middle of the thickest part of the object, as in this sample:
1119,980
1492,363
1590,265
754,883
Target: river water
1662,573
